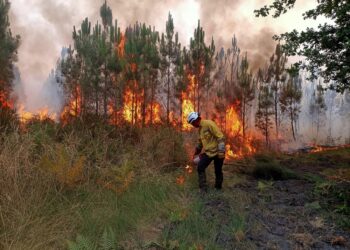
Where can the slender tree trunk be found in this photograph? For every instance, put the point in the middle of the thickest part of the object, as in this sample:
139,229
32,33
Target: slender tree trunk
152,98
198,94
96,101
133,107
276,110
244,116
105,93
144,105
266,127
168,96
76,101
317,124
292,120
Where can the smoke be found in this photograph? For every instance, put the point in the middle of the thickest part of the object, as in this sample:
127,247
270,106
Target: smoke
46,26
333,122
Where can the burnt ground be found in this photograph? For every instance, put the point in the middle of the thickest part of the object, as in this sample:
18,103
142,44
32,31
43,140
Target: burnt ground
293,211
282,214
286,216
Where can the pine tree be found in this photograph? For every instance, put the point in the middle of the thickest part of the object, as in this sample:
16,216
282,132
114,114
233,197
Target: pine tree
169,47
8,54
318,107
265,108
290,99
276,71
198,57
245,90
223,96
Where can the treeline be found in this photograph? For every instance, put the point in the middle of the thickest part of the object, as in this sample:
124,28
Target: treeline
145,77
105,63
8,55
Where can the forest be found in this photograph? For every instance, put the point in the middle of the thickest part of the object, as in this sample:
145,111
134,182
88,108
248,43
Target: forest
113,168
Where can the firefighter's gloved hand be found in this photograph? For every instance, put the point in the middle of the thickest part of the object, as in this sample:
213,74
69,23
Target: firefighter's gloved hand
196,159
221,150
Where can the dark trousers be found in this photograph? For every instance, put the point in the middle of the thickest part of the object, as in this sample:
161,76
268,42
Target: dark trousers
203,164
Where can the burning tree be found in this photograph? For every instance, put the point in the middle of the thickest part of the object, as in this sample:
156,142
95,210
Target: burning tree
169,48
244,91
200,56
91,68
8,55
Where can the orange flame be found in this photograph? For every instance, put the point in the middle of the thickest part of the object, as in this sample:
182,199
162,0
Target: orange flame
73,109
237,146
41,114
188,102
153,113
121,46
4,102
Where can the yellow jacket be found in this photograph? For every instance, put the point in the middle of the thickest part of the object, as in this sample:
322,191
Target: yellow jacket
209,137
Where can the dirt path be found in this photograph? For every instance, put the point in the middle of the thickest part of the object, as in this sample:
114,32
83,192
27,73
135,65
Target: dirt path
284,215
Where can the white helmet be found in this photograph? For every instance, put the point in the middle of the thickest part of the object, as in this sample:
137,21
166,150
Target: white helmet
192,117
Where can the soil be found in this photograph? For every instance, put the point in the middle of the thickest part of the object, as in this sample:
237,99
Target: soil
285,216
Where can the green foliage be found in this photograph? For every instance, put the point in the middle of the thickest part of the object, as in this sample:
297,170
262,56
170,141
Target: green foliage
264,111
107,241
81,243
8,55
170,49
326,48
8,50
290,99
244,90
192,229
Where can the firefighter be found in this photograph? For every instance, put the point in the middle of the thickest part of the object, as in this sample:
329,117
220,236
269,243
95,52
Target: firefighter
212,140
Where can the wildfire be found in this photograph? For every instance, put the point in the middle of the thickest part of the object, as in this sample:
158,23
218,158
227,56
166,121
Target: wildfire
237,146
153,113
41,114
121,46
73,109
188,102
4,102
233,126
188,170
132,107
319,148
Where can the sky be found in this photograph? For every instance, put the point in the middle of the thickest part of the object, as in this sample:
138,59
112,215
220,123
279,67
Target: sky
45,26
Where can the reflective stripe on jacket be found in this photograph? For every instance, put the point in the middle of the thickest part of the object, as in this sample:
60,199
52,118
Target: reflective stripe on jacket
209,137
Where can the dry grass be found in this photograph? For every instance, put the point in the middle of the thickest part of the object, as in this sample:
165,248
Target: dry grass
26,196
47,173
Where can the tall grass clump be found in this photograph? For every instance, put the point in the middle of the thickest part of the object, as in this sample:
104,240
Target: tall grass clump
57,183
28,198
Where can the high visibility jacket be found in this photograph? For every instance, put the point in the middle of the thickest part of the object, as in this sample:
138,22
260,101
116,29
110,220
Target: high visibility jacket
209,137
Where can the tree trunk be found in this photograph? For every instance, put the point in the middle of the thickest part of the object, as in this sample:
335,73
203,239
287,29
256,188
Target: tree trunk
276,110
292,121
152,97
96,101
105,94
168,97
266,128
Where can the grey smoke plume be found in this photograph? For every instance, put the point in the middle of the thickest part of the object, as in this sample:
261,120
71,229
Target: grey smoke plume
46,25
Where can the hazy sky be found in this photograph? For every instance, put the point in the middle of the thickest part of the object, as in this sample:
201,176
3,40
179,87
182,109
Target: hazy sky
45,26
